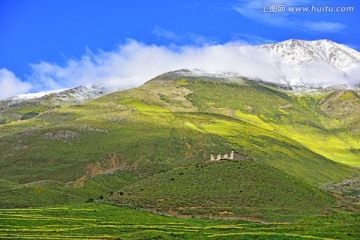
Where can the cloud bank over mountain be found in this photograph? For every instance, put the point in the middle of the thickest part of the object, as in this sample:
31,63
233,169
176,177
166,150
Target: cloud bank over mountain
291,62
10,85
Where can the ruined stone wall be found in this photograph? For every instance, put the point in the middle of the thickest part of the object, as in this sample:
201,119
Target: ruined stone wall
231,156
239,156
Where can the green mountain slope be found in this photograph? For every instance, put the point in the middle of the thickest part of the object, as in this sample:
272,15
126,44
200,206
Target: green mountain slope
227,189
300,117
89,150
31,105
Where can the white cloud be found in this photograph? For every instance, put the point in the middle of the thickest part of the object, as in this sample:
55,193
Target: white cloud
134,63
249,39
320,74
324,26
193,38
10,85
258,10
158,31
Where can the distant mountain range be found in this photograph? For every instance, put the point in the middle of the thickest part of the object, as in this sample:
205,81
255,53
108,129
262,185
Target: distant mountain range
72,95
22,106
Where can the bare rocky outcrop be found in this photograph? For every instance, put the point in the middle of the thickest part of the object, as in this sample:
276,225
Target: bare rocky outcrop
91,129
348,190
108,166
62,135
111,164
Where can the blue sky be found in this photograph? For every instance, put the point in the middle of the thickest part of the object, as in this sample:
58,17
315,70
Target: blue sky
42,43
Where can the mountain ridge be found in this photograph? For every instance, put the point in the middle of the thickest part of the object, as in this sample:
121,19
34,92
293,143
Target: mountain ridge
299,64
77,94
30,105
238,77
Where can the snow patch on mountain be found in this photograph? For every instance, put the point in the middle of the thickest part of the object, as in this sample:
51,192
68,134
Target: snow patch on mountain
299,52
29,96
71,95
203,73
321,63
296,63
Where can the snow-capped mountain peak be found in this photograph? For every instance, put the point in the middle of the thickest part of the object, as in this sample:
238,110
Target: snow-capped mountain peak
298,52
295,63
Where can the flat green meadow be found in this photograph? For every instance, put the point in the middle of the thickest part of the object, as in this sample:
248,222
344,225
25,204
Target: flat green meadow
105,221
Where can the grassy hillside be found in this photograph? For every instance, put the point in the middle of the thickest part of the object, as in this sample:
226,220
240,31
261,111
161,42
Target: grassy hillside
229,188
18,110
22,108
90,150
325,126
44,193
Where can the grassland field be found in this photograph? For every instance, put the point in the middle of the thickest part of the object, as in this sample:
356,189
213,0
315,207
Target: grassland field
105,221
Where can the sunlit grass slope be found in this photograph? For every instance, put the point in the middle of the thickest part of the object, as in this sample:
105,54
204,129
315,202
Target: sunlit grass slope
324,126
89,150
